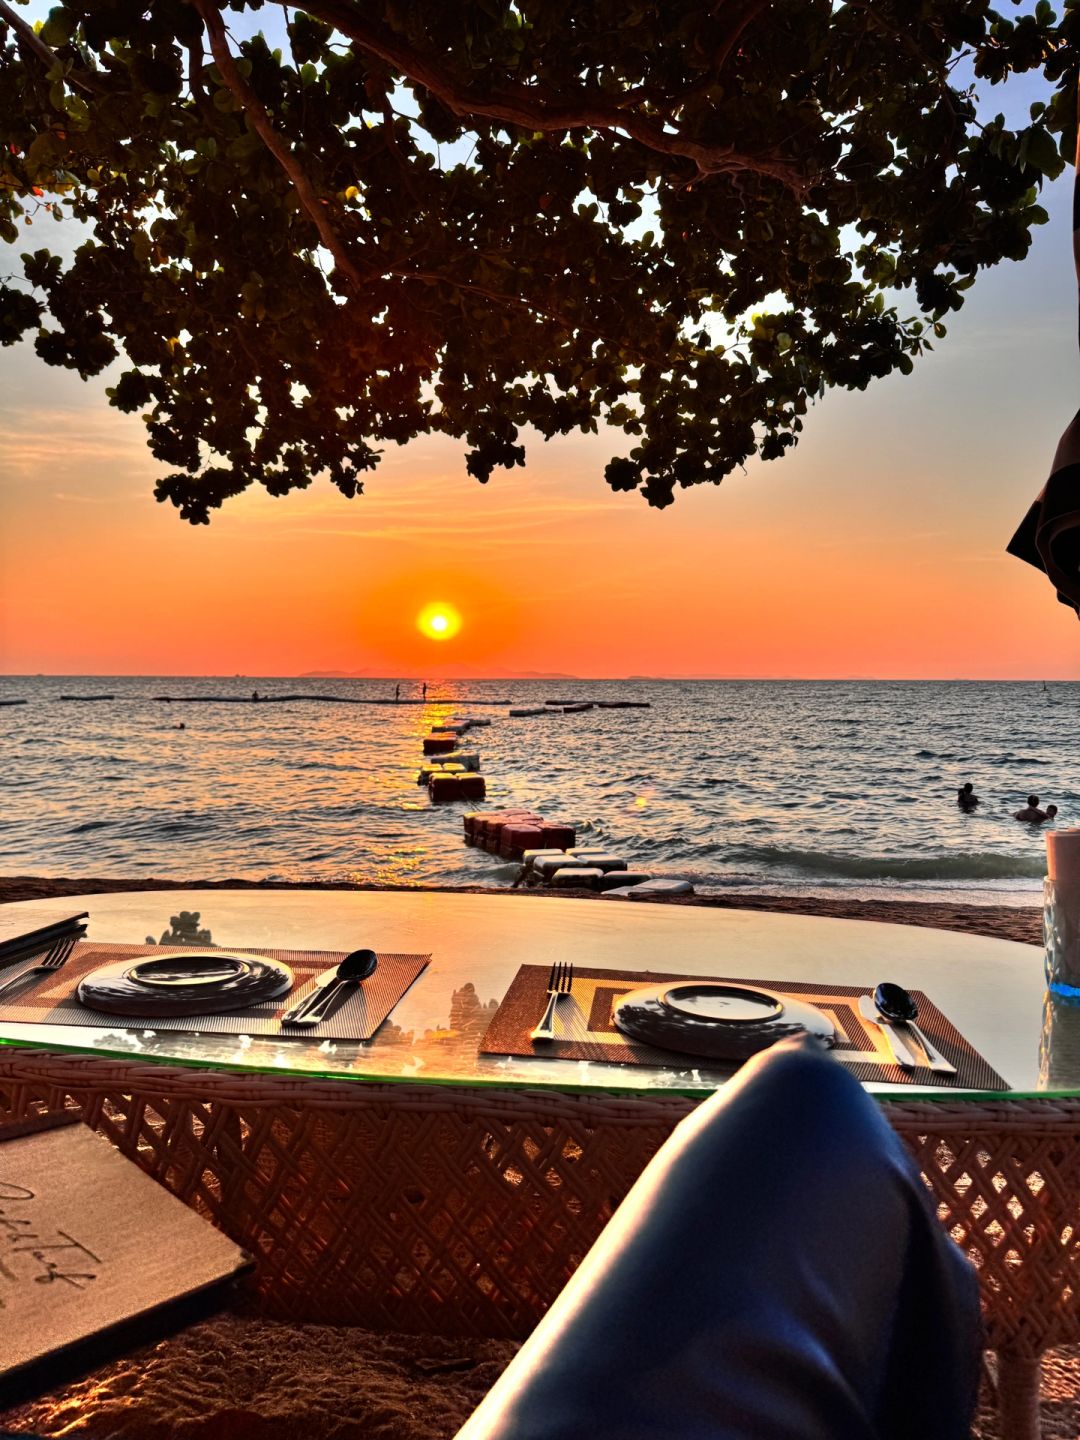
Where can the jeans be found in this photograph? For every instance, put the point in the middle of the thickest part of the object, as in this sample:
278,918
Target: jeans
776,1273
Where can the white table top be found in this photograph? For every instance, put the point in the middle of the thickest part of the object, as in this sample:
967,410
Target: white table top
992,990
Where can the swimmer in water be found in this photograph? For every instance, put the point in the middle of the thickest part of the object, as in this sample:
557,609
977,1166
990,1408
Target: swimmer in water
1031,814
966,797
1051,811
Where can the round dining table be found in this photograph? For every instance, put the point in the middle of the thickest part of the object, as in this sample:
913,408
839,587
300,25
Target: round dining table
419,1181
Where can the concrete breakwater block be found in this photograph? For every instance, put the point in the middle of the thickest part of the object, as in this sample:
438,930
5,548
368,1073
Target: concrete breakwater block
515,839
619,879
439,744
520,710
577,709
530,857
477,721
559,837
488,831
467,759
602,859
575,878
457,759
650,890
546,867
527,831
460,786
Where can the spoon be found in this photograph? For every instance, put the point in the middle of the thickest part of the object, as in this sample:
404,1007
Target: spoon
898,1005
356,966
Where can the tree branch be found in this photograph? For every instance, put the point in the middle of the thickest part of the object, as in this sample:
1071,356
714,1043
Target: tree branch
261,124
531,111
317,209
33,41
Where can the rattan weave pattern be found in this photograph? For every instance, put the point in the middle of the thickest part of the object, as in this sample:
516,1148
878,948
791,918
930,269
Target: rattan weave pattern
427,1208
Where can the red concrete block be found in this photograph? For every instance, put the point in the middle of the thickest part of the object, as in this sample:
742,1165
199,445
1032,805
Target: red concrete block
444,787
471,786
519,837
436,744
558,837
495,826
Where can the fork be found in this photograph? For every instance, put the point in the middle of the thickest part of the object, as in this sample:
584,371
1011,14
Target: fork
54,960
560,982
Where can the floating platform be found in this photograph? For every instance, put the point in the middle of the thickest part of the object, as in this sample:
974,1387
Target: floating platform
439,743
650,890
87,697
456,786
510,833
12,702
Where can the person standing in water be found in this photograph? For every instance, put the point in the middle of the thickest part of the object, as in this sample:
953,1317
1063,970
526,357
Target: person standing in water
1031,814
966,797
424,691
397,693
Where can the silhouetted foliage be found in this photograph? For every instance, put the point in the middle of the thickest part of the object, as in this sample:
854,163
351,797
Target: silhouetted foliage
682,220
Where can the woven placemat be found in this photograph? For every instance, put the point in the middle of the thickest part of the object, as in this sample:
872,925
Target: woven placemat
51,1001
584,1029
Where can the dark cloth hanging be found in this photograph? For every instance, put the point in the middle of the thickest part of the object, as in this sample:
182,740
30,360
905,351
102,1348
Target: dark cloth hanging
1048,537
776,1273
1049,534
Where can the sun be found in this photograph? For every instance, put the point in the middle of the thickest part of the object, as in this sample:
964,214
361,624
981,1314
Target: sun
438,621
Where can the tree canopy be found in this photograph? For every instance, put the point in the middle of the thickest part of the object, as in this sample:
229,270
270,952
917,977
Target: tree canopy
682,219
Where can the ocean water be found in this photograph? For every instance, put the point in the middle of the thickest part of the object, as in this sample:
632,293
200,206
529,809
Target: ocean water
781,786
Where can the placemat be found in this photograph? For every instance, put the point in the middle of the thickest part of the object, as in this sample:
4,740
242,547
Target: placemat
51,1001
584,1029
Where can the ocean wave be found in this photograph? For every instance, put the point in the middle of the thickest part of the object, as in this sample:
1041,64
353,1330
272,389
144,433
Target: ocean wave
962,865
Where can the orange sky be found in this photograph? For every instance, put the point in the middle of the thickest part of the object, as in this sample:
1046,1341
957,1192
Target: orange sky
876,550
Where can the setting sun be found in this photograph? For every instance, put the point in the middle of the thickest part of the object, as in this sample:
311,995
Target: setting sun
438,622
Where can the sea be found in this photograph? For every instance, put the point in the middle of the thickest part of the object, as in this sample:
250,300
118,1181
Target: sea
785,787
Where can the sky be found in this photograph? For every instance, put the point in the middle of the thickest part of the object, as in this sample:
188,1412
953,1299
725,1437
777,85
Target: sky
875,550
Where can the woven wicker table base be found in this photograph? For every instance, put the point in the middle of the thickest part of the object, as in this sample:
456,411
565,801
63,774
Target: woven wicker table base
463,1211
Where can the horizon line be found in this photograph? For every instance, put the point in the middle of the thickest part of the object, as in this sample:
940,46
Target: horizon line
535,677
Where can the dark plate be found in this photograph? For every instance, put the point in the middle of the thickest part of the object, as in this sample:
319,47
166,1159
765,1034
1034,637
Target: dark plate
197,982
715,1019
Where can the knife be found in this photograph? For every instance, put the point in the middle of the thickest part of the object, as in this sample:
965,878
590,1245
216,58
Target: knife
900,1053
311,998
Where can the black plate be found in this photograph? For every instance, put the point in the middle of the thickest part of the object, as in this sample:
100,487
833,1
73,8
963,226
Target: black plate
197,982
716,1019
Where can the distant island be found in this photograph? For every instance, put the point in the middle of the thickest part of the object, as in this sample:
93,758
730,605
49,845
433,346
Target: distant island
496,674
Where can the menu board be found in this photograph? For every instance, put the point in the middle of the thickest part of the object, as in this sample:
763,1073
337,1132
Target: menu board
90,1249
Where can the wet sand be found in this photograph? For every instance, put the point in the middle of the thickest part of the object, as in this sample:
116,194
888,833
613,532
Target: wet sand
241,1377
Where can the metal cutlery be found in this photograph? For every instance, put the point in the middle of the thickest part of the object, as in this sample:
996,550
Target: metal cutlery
900,1053
898,1006
560,982
318,1003
55,959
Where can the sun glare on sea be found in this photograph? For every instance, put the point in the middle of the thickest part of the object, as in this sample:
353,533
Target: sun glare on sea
438,621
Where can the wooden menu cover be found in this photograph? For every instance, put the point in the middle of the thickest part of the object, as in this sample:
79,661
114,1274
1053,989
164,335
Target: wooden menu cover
584,1029
92,1253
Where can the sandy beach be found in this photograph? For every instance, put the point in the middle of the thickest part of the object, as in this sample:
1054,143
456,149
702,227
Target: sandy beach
243,1377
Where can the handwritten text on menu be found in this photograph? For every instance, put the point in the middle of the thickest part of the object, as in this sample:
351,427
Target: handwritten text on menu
38,1254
